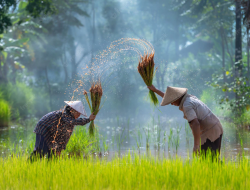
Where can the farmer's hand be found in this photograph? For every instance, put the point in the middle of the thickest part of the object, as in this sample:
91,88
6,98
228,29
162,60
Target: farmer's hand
152,87
92,117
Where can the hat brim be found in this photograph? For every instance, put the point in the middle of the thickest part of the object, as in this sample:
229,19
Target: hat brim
166,102
83,112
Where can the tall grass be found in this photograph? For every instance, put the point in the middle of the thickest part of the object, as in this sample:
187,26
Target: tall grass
4,113
130,172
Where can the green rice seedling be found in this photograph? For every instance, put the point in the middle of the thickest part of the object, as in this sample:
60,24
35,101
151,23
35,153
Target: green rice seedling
120,139
4,113
146,70
176,138
138,139
170,138
105,145
81,143
164,141
147,131
128,172
159,134
128,131
96,95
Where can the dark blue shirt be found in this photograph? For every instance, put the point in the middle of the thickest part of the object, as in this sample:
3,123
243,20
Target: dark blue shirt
56,128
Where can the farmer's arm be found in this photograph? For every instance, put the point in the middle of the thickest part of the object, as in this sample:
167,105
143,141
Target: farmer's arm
195,126
152,87
79,121
191,116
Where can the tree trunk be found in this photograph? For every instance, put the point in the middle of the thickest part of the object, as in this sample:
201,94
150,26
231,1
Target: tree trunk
223,57
73,62
48,84
238,38
228,51
248,44
238,43
93,32
5,71
64,68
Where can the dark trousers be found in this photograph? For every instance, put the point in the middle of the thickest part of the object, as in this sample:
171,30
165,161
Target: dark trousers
214,147
41,149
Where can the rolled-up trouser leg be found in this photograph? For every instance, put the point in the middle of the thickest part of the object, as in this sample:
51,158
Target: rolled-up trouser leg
213,146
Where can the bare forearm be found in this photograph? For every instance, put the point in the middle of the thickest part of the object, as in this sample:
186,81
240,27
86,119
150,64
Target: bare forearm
196,133
160,93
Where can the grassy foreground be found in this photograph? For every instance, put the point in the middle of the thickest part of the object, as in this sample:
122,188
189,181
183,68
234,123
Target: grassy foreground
123,173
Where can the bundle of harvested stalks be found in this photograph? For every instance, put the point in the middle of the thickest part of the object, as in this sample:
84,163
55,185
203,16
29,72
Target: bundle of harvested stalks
96,95
146,70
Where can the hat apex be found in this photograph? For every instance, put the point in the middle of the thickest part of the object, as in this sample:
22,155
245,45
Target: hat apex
78,106
172,94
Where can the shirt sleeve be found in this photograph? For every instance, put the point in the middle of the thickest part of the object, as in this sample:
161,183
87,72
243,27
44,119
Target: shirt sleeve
189,112
72,121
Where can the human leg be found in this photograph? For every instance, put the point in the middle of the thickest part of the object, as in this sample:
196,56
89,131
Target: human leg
214,147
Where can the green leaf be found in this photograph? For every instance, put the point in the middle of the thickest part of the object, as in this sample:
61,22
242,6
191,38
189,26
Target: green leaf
22,5
5,54
16,21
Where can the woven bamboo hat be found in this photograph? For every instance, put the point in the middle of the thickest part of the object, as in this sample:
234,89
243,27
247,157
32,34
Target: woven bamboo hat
172,94
78,106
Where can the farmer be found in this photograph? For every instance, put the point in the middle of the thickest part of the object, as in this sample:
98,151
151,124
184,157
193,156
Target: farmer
206,127
53,131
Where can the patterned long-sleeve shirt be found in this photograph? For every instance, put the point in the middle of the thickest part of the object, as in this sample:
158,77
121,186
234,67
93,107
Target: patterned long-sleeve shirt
56,128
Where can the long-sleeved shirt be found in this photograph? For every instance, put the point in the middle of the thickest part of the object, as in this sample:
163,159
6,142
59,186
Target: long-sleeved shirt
56,128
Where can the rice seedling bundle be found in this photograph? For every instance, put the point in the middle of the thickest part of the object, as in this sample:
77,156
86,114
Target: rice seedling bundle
96,96
146,70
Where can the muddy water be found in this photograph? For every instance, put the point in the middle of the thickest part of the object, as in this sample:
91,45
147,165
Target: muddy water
152,137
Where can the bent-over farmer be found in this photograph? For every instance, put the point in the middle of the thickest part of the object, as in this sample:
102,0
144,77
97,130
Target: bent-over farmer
206,127
53,130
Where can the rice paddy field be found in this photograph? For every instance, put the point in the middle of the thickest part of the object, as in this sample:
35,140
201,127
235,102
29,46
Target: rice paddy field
129,172
157,157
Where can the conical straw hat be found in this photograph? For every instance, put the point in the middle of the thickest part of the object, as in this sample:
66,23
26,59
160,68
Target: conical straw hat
78,106
172,94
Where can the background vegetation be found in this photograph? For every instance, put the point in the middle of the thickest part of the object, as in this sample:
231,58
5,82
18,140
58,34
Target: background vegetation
44,47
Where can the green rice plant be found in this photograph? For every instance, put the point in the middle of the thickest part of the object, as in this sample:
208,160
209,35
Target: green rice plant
147,132
128,131
81,143
138,139
176,138
4,113
119,137
129,172
146,70
164,141
170,139
105,145
158,134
